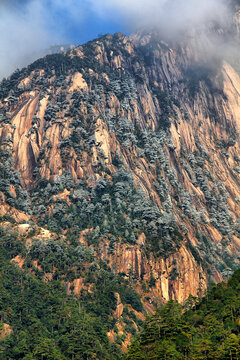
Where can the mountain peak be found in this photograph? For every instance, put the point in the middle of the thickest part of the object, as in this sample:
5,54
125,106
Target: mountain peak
123,156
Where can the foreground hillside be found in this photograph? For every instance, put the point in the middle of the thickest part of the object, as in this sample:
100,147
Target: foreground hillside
208,329
45,317
40,318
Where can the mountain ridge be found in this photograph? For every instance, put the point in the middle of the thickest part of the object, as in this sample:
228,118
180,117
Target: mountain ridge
131,150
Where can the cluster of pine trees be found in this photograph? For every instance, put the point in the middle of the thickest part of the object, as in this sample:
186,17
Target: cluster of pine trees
47,323
209,329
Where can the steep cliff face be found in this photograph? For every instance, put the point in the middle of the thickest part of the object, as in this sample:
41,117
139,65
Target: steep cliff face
130,146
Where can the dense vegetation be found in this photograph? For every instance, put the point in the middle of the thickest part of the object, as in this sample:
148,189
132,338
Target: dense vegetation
46,322
209,328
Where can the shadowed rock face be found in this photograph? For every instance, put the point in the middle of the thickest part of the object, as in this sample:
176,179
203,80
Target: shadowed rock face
137,141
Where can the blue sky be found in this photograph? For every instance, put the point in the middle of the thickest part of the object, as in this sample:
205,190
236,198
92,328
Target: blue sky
90,27
88,22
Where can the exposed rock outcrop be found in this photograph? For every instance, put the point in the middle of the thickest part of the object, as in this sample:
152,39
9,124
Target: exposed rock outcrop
159,113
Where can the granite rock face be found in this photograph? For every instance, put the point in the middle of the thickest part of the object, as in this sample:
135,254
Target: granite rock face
134,142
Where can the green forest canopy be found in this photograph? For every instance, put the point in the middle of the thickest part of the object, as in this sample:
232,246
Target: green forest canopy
208,330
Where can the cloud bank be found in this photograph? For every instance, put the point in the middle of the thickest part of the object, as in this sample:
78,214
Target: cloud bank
170,16
28,26
23,30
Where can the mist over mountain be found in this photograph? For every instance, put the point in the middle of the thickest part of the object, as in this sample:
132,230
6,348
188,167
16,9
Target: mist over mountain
33,25
27,58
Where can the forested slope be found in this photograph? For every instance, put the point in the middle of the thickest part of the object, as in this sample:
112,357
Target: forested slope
208,329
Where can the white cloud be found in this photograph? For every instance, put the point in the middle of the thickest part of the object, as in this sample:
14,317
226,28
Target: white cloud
168,15
23,32
174,17
29,26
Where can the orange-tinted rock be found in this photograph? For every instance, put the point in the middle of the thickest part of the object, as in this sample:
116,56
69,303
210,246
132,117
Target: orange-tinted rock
39,145
5,331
